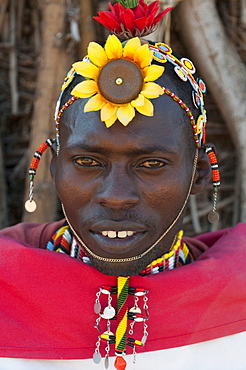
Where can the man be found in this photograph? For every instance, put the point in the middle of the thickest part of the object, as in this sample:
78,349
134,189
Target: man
124,175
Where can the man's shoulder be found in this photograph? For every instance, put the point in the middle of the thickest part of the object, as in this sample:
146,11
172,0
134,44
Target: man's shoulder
34,234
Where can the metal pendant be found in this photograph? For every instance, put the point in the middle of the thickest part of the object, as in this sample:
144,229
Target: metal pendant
213,217
30,206
108,313
97,307
97,357
106,362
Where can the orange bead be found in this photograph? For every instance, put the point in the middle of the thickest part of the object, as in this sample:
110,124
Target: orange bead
120,363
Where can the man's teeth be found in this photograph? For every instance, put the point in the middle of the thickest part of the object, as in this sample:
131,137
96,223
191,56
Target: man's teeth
117,234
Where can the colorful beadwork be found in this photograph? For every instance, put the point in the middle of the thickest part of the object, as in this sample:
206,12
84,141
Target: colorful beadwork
162,53
58,117
166,262
122,313
187,110
214,165
37,156
30,204
178,256
134,315
213,215
63,241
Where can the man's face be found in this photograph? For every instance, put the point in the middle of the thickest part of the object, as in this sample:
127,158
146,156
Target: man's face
122,187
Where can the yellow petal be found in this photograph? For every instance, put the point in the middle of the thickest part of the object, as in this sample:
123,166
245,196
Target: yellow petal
153,72
143,56
113,47
147,109
131,47
109,122
152,90
138,101
85,89
86,69
125,114
108,111
95,103
97,54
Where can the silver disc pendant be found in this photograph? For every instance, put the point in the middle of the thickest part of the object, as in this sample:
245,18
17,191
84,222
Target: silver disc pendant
144,339
30,206
213,217
97,357
106,362
97,307
109,312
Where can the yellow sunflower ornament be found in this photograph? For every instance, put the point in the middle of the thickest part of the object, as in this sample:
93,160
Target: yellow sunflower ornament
119,80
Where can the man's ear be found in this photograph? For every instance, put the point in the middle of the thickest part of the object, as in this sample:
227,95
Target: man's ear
53,160
203,172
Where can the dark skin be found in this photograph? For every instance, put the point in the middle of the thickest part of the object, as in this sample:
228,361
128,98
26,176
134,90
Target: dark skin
126,179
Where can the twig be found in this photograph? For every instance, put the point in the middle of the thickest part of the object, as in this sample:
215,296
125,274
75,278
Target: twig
19,19
243,13
3,8
13,61
37,41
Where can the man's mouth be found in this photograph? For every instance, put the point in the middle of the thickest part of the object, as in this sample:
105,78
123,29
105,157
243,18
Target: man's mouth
114,238
116,234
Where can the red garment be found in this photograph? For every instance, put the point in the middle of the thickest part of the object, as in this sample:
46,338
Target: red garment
47,298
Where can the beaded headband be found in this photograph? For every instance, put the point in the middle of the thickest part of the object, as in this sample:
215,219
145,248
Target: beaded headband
119,78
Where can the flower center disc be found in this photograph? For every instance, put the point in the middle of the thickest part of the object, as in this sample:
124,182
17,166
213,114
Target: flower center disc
120,81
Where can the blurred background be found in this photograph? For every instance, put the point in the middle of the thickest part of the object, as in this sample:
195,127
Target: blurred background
39,40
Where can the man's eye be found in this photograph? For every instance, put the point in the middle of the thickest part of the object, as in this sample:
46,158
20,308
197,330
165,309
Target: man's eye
87,162
152,164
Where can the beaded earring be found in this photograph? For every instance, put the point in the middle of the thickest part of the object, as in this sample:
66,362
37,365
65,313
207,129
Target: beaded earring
30,204
213,216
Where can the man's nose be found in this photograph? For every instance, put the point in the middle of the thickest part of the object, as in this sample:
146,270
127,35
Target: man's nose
118,189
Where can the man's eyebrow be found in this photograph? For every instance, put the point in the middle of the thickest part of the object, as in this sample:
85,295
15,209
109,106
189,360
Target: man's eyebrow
86,147
134,151
152,149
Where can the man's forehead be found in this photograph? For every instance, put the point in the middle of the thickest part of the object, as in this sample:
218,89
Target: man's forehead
162,131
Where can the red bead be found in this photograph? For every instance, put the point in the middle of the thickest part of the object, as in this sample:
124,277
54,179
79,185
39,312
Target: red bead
120,363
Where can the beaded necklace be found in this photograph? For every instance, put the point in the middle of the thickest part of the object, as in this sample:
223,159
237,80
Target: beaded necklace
63,241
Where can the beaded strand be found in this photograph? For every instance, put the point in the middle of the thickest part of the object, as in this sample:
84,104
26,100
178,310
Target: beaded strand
213,215
122,313
58,118
187,110
30,204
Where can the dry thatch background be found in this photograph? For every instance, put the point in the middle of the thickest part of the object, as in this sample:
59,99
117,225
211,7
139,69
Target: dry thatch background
27,67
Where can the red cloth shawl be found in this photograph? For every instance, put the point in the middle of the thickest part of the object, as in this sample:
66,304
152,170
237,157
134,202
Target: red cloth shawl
47,299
